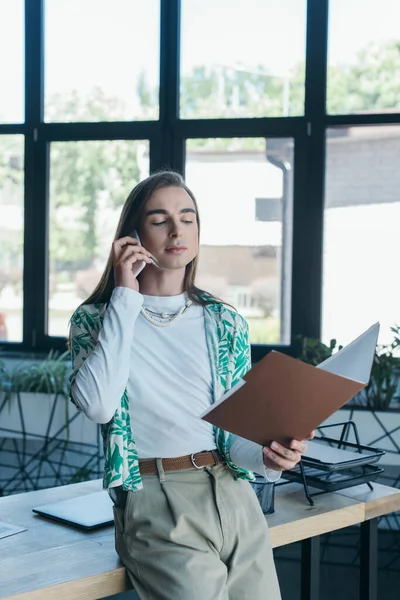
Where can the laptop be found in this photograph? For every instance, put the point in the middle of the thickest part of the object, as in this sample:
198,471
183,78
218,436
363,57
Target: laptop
91,511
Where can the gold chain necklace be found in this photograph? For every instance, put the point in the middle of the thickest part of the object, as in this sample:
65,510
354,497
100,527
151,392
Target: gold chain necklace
147,313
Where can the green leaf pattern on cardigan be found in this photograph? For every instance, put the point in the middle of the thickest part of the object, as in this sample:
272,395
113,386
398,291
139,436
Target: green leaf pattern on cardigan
229,350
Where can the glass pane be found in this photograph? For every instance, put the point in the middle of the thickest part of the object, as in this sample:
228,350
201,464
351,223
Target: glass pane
101,60
12,61
363,56
242,58
89,182
245,193
11,236
361,238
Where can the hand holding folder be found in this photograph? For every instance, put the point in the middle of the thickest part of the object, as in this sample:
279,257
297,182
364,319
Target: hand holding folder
282,398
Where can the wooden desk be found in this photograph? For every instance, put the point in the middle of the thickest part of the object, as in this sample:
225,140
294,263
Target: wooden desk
53,561
380,501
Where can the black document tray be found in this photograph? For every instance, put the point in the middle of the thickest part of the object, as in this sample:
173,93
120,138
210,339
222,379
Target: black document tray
337,455
332,481
339,464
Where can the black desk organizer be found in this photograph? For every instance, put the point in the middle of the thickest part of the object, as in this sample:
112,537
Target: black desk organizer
331,477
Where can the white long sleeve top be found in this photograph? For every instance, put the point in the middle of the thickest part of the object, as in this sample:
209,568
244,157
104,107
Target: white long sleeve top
167,373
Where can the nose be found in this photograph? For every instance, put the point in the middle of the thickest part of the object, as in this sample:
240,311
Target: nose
176,231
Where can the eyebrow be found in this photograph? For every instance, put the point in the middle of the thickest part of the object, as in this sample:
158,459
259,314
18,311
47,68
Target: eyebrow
162,211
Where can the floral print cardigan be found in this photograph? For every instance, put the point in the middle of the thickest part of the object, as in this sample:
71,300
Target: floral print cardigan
229,349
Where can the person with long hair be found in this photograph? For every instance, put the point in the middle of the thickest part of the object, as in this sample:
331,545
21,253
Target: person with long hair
150,353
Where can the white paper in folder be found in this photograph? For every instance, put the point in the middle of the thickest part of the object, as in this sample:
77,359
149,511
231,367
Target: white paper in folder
355,360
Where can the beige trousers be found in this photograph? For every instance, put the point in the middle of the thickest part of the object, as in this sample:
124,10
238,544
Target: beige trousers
196,535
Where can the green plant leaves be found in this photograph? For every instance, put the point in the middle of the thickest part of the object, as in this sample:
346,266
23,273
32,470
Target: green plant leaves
48,377
382,389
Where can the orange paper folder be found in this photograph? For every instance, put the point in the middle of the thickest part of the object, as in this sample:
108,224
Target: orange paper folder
282,398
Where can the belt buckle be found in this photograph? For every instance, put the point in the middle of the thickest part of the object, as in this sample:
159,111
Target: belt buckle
193,461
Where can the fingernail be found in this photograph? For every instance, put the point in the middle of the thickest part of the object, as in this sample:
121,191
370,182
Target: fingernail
274,446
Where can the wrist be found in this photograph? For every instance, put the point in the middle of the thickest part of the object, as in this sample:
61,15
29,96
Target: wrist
126,296
126,283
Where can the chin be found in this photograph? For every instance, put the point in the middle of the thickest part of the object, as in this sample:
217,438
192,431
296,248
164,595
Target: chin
175,262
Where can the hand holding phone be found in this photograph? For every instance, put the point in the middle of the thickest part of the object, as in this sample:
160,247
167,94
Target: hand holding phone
129,259
152,258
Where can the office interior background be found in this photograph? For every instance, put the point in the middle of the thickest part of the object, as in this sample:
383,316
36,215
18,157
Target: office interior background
284,118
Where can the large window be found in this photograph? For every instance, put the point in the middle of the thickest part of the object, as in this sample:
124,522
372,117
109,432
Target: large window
89,182
284,118
102,60
362,216
364,56
242,58
244,190
11,236
12,61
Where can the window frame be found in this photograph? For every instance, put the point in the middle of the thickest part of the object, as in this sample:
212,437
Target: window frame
167,138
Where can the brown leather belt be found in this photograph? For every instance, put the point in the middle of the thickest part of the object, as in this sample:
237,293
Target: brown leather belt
181,463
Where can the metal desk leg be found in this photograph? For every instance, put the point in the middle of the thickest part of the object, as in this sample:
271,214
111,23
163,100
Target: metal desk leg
369,560
310,559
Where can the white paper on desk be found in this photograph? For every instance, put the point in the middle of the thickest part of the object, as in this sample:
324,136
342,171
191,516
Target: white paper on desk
354,361
7,529
327,454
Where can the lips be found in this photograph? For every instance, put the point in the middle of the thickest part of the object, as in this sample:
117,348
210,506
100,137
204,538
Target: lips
175,249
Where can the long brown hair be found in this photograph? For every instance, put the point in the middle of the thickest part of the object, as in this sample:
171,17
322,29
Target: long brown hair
129,221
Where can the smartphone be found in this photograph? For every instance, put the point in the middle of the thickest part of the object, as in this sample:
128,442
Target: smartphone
136,235
152,258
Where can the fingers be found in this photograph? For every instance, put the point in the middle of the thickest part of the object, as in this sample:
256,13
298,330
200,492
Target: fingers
278,459
290,455
130,255
124,242
301,446
298,446
283,457
127,239
117,245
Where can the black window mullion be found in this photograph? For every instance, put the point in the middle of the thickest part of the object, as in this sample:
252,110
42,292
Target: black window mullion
35,239
304,277
228,128
170,154
363,119
71,132
34,82
155,152
308,209
10,129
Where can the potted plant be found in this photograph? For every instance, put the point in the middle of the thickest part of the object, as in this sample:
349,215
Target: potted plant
376,409
382,391
34,402
313,351
46,441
